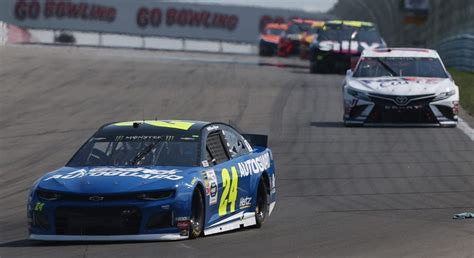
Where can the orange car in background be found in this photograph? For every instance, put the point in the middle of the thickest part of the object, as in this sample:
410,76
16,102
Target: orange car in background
308,38
290,42
270,37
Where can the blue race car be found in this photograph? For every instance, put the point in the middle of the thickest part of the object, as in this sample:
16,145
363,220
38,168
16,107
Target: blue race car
156,180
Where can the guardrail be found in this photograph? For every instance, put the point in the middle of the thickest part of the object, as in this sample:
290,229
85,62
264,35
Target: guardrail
457,51
130,41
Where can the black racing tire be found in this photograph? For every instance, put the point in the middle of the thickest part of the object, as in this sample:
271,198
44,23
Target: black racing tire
196,225
313,67
262,206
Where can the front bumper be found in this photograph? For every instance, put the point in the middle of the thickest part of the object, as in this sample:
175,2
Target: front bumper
380,110
332,61
267,47
106,221
144,237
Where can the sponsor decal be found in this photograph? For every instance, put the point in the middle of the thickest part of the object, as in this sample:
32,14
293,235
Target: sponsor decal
245,202
212,128
64,10
343,46
143,173
181,219
205,163
39,206
416,107
192,183
254,166
210,182
401,81
96,198
155,17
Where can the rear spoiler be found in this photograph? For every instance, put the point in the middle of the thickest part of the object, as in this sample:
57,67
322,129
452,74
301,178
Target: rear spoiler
259,140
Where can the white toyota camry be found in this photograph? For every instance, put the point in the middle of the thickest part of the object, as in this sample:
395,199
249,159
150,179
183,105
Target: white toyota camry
400,86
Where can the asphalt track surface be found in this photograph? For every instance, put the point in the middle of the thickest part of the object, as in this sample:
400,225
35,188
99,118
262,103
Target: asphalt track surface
359,192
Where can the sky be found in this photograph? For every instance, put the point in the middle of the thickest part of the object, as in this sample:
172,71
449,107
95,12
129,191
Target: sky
306,5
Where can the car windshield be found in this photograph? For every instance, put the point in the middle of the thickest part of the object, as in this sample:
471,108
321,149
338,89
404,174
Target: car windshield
314,30
400,66
336,34
368,35
274,32
137,151
298,28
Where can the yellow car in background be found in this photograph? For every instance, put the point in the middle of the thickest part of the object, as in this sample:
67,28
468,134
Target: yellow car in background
308,37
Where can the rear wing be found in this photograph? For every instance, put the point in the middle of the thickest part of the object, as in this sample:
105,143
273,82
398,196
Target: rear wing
255,140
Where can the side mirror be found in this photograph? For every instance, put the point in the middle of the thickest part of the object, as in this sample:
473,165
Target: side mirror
349,72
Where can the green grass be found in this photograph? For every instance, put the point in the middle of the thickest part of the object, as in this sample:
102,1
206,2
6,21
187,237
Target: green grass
465,81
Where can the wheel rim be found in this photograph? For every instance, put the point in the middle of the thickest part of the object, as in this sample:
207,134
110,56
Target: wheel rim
261,205
196,217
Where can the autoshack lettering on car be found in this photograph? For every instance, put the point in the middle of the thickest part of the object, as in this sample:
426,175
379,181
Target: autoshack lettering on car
254,166
186,18
128,172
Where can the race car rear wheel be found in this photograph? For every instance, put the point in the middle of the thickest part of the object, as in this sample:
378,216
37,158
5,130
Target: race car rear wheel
197,215
261,210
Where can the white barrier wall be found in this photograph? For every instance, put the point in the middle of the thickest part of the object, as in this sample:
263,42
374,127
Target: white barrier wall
3,33
147,18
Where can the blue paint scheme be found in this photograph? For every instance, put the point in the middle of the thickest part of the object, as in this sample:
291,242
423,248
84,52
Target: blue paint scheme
184,182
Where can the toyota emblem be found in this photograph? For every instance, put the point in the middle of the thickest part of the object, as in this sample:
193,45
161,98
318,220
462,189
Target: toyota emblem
401,100
96,198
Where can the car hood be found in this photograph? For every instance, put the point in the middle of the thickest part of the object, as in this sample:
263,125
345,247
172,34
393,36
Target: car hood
402,85
271,38
89,180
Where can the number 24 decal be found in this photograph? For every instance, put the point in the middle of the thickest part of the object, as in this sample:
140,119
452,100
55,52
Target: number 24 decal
229,195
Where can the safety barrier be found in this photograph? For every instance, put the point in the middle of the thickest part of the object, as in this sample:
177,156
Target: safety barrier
458,52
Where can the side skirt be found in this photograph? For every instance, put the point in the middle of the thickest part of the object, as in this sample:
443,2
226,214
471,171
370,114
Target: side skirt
239,220
242,219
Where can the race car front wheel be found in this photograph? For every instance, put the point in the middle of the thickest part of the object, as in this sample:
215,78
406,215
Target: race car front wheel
261,211
197,215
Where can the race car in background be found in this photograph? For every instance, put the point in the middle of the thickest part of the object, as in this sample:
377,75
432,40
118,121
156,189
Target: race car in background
270,37
340,43
402,87
290,41
155,180
309,37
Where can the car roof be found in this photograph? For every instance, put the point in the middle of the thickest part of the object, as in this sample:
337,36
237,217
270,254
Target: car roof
301,21
357,24
153,127
282,26
400,52
318,24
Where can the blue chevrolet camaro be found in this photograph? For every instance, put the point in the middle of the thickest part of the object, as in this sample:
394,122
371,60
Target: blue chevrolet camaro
156,180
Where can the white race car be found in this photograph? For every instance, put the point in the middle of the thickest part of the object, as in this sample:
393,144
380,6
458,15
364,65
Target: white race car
400,86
